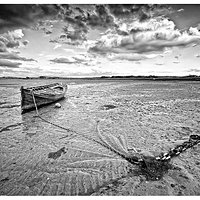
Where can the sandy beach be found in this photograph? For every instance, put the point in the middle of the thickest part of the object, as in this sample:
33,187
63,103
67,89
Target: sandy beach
153,116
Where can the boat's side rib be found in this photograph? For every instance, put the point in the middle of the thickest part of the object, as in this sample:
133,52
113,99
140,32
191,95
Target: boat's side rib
42,87
32,106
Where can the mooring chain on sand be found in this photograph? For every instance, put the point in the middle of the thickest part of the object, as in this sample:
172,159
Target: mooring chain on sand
193,140
153,166
166,157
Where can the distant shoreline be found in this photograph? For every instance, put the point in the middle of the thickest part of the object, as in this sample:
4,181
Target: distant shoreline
151,77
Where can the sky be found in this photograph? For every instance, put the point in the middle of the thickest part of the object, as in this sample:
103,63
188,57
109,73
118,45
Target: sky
89,40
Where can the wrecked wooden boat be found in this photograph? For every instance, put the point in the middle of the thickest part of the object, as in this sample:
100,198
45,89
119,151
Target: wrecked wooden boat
41,96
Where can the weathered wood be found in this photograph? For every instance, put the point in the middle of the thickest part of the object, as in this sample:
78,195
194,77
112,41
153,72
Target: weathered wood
43,95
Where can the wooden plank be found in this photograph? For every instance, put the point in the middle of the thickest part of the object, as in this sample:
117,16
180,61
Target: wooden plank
45,96
43,86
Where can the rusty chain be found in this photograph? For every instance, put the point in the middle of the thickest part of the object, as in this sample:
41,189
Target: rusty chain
164,157
193,140
155,167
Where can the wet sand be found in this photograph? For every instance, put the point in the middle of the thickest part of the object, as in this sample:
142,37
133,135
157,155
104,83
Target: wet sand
154,116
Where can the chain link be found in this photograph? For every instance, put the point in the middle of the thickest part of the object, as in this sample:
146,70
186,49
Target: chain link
163,157
193,140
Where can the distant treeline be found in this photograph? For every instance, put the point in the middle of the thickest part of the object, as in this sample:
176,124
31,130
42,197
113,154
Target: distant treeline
153,77
150,77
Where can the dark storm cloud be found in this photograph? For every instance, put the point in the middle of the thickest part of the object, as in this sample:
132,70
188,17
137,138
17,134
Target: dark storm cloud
121,10
19,16
78,22
81,20
75,30
6,63
101,17
13,56
139,11
94,16
152,33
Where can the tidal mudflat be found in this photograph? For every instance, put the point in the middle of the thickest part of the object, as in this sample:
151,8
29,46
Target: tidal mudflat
153,116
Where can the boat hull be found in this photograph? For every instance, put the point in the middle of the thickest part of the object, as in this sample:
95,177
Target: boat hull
41,99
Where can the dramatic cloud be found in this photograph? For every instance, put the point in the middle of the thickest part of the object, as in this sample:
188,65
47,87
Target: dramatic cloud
154,35
92,15
101,17
6,63
19,16
82,18
141,12
102,33
13,56
75,31
11,39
